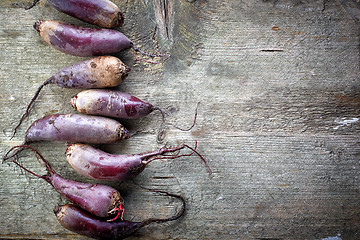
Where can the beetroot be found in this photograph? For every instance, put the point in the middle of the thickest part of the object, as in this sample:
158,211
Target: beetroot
102,13
116,104
74,128
97,164
111,103
97,72
81,41
85,42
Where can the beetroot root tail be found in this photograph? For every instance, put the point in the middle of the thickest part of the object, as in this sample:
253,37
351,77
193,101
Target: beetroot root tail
202,158
32,5
120,213
29,105
160,220
178,155
38,155
193,124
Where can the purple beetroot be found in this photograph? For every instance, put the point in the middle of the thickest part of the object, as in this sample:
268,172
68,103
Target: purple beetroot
116,104
97,164
96,72
102,13
85,42
111,103
74,128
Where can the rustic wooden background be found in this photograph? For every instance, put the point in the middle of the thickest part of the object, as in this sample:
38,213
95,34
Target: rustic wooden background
278,119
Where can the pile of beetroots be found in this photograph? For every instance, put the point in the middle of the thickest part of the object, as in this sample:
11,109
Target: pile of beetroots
96,210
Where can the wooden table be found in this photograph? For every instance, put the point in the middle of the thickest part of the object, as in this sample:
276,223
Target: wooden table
278,119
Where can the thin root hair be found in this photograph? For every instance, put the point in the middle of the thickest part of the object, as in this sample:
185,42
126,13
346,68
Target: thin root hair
38,156
32,5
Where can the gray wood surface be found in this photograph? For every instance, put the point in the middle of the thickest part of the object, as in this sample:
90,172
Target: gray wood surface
278,119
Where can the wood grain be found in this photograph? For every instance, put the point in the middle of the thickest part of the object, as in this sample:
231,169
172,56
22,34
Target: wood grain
278,119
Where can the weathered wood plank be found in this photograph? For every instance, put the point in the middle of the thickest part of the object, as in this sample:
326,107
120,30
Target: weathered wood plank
278,120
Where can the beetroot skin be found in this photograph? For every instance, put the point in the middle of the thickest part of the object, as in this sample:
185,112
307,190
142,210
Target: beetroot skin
111,103
81,41
76,128
102,13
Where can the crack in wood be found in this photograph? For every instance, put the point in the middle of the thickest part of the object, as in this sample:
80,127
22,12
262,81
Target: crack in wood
271,50
165,8
165,177
163,13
